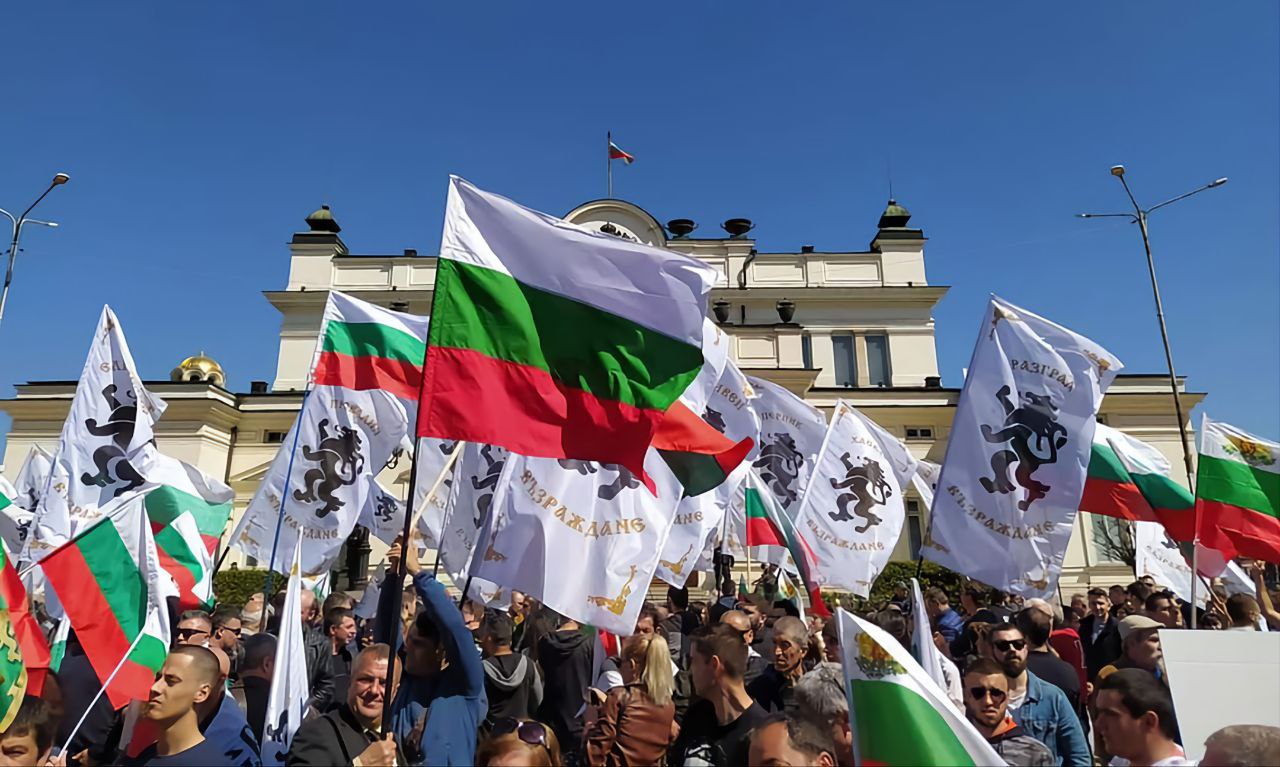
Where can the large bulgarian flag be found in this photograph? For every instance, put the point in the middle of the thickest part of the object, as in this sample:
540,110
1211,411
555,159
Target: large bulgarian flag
1238,490
363,346
768,525
188,512
1129,479
897,714
555,341
110,583
700,456
25,659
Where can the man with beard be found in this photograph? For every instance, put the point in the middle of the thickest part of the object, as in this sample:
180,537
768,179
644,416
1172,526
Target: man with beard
348,734
1037,706
986,704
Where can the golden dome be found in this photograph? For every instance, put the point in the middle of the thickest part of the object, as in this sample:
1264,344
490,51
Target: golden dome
199,368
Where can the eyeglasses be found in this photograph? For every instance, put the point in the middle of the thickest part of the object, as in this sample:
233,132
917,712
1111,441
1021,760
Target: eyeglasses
1004,645
530,732
220,629
189,632
980,693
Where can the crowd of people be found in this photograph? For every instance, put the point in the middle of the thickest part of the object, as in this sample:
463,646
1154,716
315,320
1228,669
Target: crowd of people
739,680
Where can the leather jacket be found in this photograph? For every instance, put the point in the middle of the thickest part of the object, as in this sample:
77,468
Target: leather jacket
630,730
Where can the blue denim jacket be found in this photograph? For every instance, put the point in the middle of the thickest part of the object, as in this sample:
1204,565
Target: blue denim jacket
1046,715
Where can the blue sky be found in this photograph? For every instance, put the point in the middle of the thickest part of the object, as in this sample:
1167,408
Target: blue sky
198,138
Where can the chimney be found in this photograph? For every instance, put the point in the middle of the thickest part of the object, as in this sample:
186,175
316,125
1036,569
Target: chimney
806,248
933,382
257,387
411,252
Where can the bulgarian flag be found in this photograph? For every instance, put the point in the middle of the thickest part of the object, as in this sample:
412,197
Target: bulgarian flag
1238,490
898,715
111,585
26,669
188,513
363,346
616,153
700,457
1129,479
768,525
554,341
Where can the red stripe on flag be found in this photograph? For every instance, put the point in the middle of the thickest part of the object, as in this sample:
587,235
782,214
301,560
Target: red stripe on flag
31,641
1115,499
187,599
96,627
473,397
365,373
762,532
1255,535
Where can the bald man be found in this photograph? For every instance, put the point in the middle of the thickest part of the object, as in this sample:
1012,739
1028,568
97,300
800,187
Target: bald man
774,690
756,663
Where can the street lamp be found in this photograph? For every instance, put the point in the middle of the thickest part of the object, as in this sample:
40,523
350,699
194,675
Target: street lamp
18,223
1139,216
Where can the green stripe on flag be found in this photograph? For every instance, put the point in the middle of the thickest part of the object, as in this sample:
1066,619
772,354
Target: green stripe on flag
117,576
1105,464
372,339
580,346
1238,484
149,652
171,541
1164,493
896,726
165,504
4,502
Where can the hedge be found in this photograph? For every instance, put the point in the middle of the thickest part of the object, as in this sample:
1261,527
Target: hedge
882,590
234,587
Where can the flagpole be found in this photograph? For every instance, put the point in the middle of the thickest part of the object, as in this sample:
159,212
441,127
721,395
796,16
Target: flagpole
397,579
444,522
284,497
608,153
110,678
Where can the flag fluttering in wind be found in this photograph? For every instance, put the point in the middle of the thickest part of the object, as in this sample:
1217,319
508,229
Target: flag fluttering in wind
14,520
188,512
25,662
1129,479
852,512
287,697
554,341
110,583
923,649
1238,491
1018,452
616,153
352,420
791,433
899,716
107,445
768,525
32,477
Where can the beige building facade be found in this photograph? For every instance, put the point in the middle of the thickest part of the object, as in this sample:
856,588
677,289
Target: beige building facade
855,324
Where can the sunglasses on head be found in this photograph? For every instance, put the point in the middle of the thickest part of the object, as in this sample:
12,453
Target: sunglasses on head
532,733
980,693
1004,645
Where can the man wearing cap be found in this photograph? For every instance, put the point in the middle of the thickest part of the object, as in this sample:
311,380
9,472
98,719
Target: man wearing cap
1140,648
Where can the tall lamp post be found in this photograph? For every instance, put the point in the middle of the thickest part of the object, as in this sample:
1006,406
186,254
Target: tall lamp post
1139,216
18,223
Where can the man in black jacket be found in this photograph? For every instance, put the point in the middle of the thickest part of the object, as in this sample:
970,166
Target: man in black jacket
511,680
349,734
565,656
1099,634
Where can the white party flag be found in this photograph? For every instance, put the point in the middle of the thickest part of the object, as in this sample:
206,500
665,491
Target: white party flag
289,691
1018,452
791,432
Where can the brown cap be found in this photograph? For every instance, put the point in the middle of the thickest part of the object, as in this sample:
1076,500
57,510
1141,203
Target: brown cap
1134,623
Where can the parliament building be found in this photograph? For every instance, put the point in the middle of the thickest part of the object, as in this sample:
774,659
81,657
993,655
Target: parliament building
855,324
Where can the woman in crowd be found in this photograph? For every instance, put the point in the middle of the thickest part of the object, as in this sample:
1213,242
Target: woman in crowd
519,743
634,724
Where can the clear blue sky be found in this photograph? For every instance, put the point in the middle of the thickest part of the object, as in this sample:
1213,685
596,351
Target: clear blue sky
198,138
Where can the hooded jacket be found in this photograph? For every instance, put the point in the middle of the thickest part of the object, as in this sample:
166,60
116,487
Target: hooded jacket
566,666
513,686
1018,748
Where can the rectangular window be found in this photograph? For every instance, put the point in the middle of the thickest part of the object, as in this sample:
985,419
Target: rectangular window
846,362
273,437
919,432
806,351
878,360
1112,539
915,527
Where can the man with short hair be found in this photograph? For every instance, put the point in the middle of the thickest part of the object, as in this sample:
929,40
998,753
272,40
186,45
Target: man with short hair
986,704
340,628
1136,596
1136,721
756,663
348,734
679,624
1036,627
317,650
757,611
1242,745
227,631
774,689
1163,608
782,740
820,698
945,620
1140,648
29,738
222,721
1243,612
186,680
1037,706
1099,633
194,628
716,728
1117,595
254,686
511,681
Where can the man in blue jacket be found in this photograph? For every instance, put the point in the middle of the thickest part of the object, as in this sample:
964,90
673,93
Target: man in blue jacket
441,701
1039,708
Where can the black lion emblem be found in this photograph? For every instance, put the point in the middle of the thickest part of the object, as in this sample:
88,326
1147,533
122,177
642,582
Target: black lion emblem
486,484
110,460
716,419
1034,438
867,484
780,463
624,481
384,508
340,462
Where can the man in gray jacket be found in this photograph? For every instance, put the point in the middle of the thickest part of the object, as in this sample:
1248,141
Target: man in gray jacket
511,681
986,704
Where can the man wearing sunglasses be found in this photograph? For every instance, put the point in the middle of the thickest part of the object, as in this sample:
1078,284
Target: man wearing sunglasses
986,703
194,628
1041,709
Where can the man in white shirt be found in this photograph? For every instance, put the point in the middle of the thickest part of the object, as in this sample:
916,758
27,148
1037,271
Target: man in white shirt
1135,719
